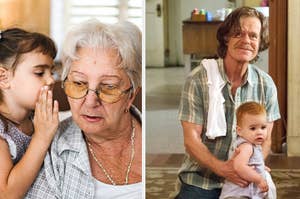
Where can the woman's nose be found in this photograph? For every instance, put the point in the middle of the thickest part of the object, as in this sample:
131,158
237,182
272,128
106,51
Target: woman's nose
91,99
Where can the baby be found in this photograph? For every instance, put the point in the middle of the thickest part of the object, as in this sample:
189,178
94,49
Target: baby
249,163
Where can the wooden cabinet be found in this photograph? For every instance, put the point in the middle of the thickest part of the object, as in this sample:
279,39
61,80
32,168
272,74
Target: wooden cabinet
199,37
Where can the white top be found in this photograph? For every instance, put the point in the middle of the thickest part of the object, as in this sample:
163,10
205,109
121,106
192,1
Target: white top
107,191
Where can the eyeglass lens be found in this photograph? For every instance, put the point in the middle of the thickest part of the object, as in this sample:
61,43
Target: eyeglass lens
105,93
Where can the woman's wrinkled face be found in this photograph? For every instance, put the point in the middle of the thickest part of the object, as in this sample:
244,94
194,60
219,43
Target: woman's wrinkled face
243,44
98,68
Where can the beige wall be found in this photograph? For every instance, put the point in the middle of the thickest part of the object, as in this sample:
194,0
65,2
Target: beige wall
252,3
293,131
32,15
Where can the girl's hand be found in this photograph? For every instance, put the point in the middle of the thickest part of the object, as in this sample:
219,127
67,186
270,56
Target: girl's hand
45,116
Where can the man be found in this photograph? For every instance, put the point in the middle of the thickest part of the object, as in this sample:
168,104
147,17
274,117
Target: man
241,36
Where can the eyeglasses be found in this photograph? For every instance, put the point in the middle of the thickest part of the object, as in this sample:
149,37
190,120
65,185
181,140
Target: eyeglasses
106,93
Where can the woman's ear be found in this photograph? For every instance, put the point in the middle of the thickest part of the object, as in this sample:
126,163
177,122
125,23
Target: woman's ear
4,78
132,97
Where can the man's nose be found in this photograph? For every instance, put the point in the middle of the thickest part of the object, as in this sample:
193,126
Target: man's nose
245,38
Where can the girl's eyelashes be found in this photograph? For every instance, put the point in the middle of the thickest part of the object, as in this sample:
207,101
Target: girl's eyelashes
40,74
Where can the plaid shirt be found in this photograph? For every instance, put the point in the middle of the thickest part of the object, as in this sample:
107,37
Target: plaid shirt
258,86
66,173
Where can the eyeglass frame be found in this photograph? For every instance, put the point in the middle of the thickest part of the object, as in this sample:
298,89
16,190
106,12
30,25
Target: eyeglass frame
97,91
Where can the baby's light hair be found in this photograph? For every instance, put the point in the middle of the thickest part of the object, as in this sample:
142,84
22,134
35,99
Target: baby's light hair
251,108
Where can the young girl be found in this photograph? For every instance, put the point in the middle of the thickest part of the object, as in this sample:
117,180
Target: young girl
26,62
249,162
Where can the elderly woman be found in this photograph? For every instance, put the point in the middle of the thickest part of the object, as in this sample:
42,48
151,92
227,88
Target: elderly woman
97,153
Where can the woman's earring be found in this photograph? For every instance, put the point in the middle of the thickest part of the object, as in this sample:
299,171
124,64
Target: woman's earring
126,111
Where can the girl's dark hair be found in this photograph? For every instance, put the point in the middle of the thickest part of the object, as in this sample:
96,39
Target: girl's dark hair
15,42
232,24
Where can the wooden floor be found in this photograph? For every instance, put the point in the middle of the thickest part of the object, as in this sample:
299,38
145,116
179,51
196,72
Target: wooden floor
274,161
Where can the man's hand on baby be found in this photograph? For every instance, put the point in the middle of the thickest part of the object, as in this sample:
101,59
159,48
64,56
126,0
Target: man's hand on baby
46,116
230,174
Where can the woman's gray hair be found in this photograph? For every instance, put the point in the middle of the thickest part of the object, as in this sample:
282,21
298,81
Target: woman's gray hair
124,37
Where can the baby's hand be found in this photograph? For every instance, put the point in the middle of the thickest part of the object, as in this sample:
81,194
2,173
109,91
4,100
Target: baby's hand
45,116
263,186
267,169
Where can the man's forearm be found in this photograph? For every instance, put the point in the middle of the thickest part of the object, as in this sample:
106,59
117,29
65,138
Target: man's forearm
203,156
198,150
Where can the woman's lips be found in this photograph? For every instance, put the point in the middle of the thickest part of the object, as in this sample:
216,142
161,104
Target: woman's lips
92,118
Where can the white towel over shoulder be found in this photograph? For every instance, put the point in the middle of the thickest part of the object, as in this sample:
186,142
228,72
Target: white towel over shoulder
216,123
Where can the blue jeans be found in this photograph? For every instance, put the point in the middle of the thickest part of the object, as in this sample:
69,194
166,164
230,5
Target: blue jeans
192,192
